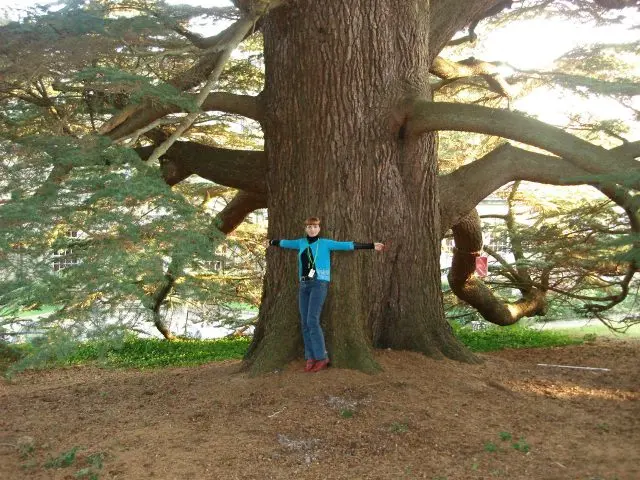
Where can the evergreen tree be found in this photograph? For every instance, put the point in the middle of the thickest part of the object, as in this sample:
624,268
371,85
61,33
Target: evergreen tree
349,124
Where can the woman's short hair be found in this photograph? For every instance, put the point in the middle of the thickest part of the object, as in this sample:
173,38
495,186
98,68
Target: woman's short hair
312,221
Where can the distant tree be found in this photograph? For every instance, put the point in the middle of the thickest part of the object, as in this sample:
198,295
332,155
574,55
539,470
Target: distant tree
349,124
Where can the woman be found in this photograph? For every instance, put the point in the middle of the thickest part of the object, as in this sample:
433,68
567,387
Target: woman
314,271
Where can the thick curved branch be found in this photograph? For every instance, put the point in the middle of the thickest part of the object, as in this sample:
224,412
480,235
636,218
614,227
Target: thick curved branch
497,168
508,163
237,210
424,116
241,169
467,235
630,149
450,71
450,16
245,105
192,77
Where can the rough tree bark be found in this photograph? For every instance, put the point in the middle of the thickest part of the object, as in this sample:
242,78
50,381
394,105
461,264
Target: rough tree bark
335,72
467,235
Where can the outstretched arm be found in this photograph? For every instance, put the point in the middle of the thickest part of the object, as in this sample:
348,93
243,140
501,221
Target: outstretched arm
377,246
291,244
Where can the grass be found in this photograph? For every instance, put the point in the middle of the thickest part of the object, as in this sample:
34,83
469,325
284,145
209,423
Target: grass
63,460
158,353
399,427
520,445
499,338
490,447
347,413
147,353
599,330
42,310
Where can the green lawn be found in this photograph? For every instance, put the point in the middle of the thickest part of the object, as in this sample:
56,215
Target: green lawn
600,330
499,338
147,353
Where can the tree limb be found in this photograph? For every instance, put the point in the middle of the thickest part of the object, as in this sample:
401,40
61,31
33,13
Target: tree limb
192,77
424,116
243,27
245,105
241,169
467,235
471,67
237,210
451,16
497,168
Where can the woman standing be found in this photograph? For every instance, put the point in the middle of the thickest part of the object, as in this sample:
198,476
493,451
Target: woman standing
314,270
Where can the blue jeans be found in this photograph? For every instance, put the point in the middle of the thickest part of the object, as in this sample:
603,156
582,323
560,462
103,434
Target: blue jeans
312,294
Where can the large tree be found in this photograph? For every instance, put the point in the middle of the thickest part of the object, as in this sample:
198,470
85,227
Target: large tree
349,126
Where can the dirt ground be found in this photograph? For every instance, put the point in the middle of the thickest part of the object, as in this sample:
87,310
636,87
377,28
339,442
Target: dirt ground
420,418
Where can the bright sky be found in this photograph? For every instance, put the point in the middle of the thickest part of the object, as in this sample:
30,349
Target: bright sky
522,46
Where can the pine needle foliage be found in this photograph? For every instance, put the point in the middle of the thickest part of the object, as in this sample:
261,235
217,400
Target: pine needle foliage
88,231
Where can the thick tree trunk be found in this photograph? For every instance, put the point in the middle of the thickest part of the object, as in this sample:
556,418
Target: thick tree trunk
335,73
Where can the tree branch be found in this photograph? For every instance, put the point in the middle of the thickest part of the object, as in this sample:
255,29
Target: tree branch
500,166
451,16
425,116
467,235
237,210
245,105
192,77
243,27
213,43
241,169
451,71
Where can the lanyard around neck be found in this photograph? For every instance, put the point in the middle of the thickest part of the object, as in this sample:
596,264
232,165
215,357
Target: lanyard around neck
313,261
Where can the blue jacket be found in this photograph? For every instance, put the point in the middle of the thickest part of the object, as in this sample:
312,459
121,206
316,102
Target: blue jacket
321,250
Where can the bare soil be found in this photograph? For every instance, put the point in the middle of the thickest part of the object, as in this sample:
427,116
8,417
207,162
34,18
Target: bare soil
419,418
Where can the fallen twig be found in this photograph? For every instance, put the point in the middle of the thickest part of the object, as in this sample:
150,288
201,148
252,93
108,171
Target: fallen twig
276,413
573,366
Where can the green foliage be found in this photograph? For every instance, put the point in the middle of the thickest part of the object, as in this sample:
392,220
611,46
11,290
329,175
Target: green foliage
521,445
141,87
499,338
490,447
144,353
591,66
89,227
9,352
128,351
134,237
399,427
93,464
581,248
63,460
347,413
